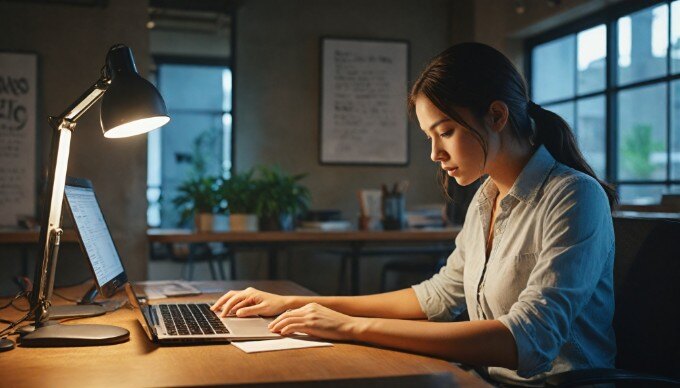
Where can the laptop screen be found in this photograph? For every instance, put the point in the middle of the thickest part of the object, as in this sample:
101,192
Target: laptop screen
94,233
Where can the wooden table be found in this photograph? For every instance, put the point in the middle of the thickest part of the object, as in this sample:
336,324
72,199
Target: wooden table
273,241
139,362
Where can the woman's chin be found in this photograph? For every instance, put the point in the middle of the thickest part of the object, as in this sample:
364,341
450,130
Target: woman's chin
463,180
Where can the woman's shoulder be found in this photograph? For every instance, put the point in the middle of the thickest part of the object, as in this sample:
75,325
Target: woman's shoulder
567,184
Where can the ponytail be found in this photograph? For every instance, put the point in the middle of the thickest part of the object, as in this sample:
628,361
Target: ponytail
555,134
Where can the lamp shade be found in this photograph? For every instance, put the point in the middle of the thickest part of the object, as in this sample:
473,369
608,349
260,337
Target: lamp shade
131,105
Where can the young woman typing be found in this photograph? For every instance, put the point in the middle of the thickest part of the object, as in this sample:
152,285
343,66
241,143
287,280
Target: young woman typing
533,262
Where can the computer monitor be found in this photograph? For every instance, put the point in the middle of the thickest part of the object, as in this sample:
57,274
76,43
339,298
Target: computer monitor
94,235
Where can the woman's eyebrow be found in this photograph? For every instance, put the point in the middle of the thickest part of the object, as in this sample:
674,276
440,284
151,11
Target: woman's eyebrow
433,126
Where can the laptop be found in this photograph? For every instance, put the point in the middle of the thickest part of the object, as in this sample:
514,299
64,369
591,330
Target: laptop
163,323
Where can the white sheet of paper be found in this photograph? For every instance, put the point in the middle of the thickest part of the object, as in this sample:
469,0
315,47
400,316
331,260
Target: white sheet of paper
277,344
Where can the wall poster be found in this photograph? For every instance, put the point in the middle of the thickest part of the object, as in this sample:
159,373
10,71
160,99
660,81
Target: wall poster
363,102
18,104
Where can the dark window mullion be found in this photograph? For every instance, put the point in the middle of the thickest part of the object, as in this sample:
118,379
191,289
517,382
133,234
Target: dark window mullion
666,182
652,81
668,98
611,111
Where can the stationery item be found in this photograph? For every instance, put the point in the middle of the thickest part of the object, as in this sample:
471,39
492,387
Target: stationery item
394,211
278,344
326,226
370,206
157,289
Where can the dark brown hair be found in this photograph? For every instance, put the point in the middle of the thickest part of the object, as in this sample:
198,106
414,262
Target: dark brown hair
472,76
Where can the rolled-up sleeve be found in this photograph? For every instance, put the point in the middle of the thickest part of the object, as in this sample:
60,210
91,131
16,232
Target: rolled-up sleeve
442,297
577,242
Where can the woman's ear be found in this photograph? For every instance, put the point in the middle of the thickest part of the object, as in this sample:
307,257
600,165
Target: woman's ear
498,115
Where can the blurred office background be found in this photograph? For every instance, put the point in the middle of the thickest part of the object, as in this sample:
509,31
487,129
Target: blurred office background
244,76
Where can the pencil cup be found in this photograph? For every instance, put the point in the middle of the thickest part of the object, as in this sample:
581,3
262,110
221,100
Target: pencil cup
394,212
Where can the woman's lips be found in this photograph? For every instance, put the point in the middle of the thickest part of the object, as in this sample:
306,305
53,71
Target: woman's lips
450,170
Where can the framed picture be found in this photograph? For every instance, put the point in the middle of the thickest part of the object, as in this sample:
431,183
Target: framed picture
364,85
18,105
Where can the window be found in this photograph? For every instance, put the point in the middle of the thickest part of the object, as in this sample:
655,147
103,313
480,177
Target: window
616,81
198,98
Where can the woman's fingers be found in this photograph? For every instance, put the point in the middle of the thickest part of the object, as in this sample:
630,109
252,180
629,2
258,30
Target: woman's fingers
216,306
233,301
286,314
296,328
238,306
282,324
258,309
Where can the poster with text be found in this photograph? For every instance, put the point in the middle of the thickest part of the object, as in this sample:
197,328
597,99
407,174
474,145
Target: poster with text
18,84
363,102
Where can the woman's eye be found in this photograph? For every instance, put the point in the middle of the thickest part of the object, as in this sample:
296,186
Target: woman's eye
447,133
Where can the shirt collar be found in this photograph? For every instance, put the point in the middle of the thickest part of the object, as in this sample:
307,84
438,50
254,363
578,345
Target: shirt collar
532,177
529,181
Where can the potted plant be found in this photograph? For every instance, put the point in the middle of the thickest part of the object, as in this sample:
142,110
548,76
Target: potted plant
241,197
198,198
281,198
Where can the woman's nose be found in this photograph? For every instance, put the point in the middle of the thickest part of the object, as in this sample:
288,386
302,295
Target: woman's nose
437,154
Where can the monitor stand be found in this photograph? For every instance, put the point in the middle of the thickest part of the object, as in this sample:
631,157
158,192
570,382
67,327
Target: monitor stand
87,307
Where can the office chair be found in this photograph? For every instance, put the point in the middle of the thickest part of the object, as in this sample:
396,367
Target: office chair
647,314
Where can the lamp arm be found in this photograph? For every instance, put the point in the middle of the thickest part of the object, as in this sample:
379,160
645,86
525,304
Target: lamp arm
50,226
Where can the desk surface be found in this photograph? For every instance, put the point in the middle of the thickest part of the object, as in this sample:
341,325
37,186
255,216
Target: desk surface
139,362
187,236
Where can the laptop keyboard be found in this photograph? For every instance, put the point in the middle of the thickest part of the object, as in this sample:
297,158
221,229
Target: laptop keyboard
191,319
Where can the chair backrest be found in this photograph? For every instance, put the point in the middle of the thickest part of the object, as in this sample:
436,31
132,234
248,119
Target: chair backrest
647,292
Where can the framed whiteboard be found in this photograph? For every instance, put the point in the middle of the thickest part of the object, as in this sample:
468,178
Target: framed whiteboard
18,104
363,102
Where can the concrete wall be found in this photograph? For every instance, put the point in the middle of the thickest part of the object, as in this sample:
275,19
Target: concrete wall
277,89
276,107
72,43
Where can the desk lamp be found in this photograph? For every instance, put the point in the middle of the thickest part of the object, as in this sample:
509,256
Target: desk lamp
130,106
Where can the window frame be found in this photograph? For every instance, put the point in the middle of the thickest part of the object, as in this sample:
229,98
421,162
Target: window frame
609,17
159,60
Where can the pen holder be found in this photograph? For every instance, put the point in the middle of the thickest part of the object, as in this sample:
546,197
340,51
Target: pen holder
394,211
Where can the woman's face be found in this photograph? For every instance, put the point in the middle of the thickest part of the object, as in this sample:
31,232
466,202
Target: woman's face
454,147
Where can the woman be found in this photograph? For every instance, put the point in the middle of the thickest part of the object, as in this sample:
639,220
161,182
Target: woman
533,262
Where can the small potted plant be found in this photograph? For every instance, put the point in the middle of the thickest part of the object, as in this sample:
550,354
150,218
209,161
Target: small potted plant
241,196
198,198
281,198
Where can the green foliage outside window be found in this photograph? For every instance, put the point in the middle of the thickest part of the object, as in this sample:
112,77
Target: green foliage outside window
637,149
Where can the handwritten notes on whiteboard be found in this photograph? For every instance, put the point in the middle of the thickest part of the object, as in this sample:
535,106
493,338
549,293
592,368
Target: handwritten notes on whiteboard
18,75
363,102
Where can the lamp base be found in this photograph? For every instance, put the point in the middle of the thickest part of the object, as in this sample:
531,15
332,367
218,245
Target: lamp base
55,334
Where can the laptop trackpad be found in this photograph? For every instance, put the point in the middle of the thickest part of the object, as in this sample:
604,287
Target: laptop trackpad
255,326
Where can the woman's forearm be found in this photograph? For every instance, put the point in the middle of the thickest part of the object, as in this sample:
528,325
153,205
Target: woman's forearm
487,343
401,304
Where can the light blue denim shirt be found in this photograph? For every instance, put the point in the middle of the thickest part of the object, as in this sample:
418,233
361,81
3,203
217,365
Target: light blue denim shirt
548,278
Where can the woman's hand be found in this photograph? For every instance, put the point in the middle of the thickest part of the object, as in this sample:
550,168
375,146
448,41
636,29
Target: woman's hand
316,320
250,302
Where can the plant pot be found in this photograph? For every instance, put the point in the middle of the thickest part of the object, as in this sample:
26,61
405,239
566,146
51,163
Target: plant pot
203,222
220,223
243,222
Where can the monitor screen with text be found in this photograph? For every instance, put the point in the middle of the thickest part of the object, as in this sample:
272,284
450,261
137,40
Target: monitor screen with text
94,233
